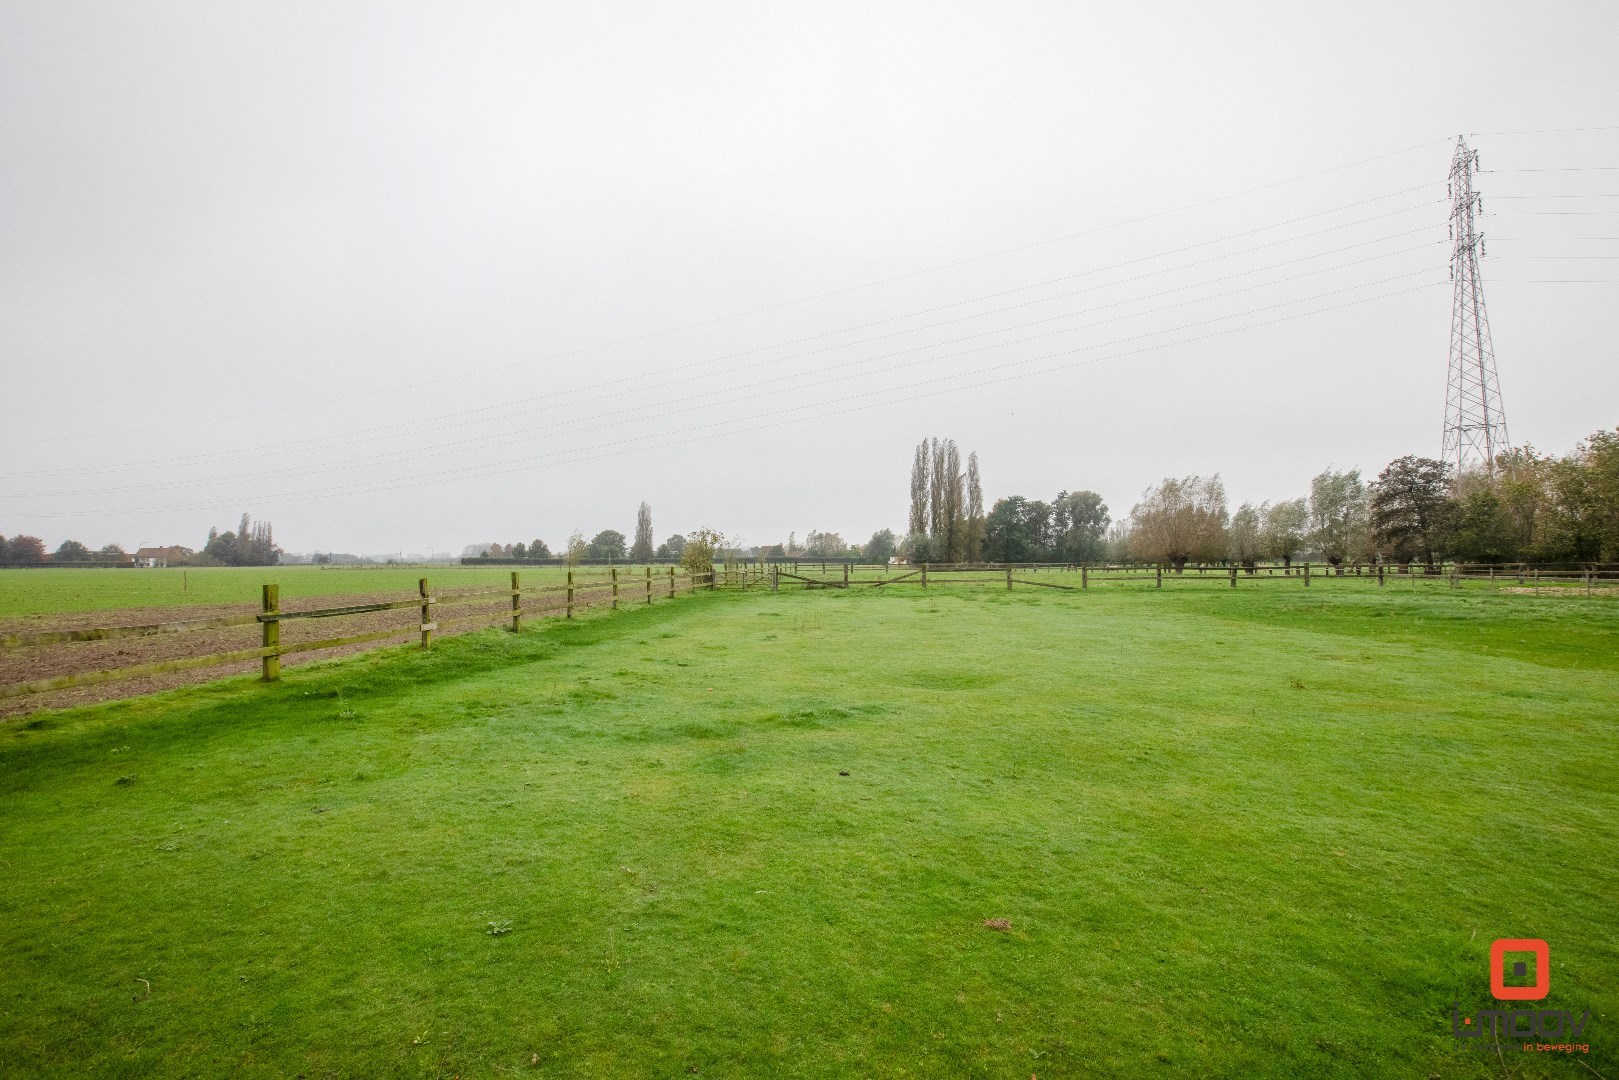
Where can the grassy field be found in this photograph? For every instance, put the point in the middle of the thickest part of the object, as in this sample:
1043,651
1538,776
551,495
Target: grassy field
49,591
1256,833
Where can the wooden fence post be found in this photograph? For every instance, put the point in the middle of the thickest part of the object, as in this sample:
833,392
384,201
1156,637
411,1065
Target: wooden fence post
1084,578
775,577
615,588
272,631
649,584
845,575
570,592
671,581
517,604
1159,572
924,575
1379,575
1008,579
1233,576
427,614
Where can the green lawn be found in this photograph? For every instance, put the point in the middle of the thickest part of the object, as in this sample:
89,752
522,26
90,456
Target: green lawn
49,591
1251,833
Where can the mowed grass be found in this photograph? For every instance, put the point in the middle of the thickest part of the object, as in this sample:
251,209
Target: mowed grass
54,590
1262,832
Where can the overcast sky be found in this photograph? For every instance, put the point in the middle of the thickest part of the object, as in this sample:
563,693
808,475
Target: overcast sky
405,277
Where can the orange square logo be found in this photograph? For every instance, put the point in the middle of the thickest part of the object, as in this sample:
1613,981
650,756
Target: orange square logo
1543,969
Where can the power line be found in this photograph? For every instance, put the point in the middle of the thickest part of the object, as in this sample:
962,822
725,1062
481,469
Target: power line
293,406
690,371
1546,131
910,395
1567,168
753,392
1594,195
844,365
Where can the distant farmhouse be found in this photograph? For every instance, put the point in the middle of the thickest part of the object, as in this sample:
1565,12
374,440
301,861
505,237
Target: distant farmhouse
162,556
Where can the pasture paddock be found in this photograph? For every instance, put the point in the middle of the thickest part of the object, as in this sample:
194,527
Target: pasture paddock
47,592
99,655
1260,833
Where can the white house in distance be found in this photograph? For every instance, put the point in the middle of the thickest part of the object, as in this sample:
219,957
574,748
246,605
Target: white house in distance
161,556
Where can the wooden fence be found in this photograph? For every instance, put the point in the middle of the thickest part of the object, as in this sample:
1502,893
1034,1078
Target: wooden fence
619,586
576,594
1080,576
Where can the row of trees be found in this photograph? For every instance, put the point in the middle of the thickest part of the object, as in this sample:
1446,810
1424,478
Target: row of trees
1529,507
252,544
27,550
1071,528
946,522
609,545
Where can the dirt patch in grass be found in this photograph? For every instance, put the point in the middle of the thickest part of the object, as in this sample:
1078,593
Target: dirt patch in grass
1562,590
28,663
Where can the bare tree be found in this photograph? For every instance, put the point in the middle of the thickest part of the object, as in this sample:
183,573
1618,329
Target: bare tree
1181,520
641,550
576,549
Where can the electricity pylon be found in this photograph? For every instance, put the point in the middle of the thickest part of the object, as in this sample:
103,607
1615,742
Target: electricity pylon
1475,424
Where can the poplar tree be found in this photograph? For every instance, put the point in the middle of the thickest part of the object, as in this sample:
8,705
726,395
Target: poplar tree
975,510
641,550
921,471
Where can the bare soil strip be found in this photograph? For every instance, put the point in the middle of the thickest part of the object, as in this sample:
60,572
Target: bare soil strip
72,658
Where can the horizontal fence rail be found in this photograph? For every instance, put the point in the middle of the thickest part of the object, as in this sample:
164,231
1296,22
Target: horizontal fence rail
1065,576
620,585
577,593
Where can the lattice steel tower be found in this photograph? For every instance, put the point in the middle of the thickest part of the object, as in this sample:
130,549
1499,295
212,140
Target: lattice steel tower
1475,425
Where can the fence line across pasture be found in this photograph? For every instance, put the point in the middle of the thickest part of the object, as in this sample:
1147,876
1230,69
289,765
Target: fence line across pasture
849,575
576,594
616,587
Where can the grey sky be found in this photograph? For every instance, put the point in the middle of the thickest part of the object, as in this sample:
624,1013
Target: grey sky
386,238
